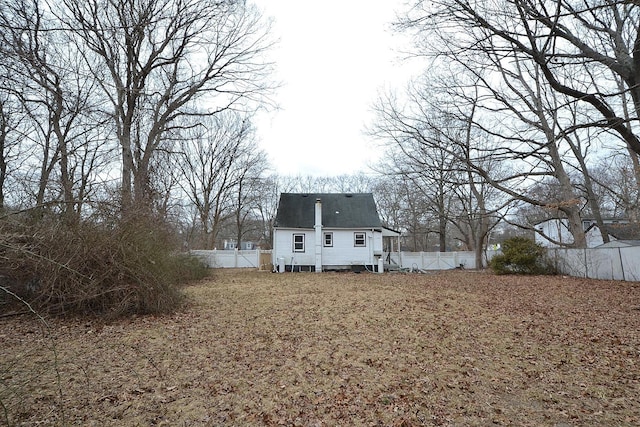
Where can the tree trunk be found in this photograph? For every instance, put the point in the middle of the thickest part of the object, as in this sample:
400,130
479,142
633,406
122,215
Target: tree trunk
633,212
127,170
442,233
4,131
65,178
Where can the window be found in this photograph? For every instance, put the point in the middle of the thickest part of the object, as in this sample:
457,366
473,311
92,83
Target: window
360,239
298,243
328,239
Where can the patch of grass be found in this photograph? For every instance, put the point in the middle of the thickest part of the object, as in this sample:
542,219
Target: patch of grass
255,348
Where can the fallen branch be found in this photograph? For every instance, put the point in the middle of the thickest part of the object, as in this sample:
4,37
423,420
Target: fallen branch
15,313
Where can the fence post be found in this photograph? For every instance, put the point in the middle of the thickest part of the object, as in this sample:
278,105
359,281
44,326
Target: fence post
258,259
624,275
235,258
586,266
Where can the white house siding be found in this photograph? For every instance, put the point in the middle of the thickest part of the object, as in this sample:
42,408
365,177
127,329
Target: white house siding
283,247
342,253
555,229
594,237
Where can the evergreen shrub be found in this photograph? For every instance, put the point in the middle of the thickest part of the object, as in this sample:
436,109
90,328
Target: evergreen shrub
521,255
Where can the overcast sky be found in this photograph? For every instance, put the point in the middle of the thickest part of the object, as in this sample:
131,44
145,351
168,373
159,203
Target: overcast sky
333,58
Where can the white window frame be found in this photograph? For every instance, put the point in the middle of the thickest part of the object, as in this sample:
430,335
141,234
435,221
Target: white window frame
301,243
324,240
360,236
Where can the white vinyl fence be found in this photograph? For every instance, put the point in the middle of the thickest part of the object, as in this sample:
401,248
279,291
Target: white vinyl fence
411,261
415,261
596,263
255,258
599,263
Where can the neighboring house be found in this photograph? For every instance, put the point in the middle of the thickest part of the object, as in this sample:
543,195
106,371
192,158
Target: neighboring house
230,244
558,230
328,231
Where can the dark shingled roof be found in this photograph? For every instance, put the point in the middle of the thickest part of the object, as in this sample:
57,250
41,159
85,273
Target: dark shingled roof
623,231
339,210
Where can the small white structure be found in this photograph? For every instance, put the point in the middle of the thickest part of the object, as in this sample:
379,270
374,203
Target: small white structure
328,231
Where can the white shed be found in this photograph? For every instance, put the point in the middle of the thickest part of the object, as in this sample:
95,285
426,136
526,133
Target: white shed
328,231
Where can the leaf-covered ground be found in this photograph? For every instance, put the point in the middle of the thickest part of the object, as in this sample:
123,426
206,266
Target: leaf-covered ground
256,348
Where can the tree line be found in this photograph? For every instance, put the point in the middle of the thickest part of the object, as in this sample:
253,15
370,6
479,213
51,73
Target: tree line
527,110
99,99
115,108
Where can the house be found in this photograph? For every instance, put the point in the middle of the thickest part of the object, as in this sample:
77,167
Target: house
557,229
328,231
231,244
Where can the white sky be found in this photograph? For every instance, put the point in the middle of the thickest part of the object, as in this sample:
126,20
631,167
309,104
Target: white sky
333,58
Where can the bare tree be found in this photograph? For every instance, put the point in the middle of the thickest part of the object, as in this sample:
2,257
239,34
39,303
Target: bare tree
306,184
211,165
436,145
355,183
251,168
430,172
154,59
616,182
46,75
543,129
570,43
11,116
389,196
266,205
482,205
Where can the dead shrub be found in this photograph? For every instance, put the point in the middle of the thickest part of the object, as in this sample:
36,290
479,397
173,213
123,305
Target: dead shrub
94,268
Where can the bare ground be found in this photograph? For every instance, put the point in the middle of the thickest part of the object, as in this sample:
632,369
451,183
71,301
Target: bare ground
255,348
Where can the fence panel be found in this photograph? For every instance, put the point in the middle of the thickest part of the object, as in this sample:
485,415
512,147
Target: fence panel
571,262
436,260
441,260
629,261
247,259
226,259
234,259
604,263
411,260
207,257
598,263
